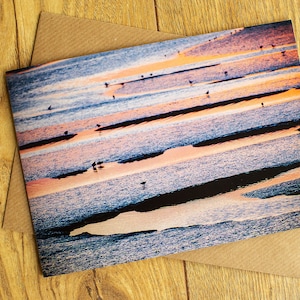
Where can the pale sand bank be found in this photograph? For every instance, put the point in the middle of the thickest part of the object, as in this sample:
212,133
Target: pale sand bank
181,215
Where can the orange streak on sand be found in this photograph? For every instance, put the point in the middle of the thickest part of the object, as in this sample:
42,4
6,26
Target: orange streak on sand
181,59
176,61
112,90
46,186
291,95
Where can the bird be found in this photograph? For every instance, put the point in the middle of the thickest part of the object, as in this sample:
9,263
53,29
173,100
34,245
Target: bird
143,183
66,132
49,108
114,97
207,92
283,53
226,73
94,166
262,104
191,82
260,46
99,163
98,125
106,84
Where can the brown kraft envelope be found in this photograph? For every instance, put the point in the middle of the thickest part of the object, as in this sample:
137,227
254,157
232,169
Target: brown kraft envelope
60,37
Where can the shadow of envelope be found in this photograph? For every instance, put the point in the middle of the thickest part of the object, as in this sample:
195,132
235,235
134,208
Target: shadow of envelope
56,39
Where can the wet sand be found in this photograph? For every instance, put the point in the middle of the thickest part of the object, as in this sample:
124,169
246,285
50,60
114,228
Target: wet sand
181,215
45,186
167,117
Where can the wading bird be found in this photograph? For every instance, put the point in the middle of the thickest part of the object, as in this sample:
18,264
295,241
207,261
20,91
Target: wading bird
143,183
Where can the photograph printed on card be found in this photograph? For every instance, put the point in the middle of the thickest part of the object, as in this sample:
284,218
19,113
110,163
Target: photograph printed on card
161,148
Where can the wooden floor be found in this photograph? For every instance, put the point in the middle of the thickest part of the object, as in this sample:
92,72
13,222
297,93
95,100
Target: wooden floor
162,278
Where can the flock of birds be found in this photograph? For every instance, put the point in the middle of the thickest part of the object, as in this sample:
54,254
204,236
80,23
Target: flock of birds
99,164
191,82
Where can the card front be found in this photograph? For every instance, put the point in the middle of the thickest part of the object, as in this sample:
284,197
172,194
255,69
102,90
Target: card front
140,146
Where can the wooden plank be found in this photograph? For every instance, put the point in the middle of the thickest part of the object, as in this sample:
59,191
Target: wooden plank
9,60
20,277
203,16
150,279
27,16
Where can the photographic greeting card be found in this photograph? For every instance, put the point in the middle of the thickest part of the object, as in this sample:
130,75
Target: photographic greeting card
160,148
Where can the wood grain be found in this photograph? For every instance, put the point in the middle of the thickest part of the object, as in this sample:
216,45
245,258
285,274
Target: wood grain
20,275
9,55
202,16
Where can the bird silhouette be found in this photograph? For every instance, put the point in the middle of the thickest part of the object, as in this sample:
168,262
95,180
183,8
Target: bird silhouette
99,163
49,107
